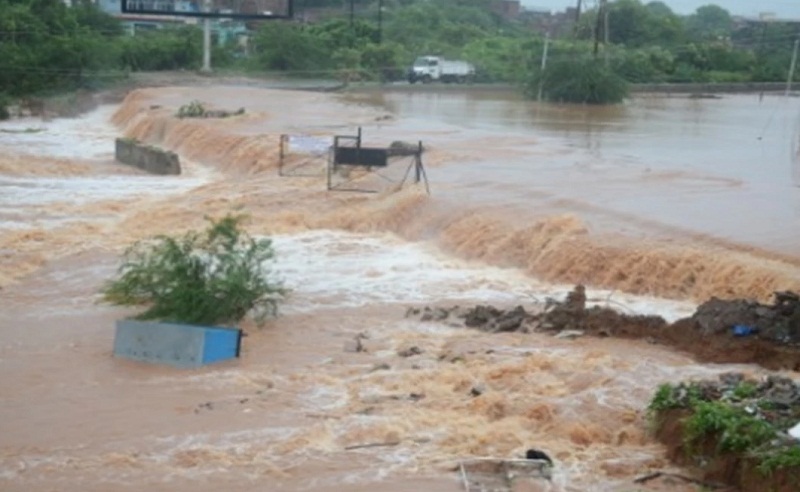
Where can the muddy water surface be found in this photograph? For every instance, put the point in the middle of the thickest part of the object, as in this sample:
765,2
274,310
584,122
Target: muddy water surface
284,416
728,167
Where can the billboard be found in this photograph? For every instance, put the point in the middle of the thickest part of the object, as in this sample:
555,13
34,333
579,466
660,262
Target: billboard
215,9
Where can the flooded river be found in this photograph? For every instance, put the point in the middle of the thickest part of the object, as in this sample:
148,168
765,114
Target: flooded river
655,204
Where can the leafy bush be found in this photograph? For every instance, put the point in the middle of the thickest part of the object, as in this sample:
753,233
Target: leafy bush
739,417
194,109
209,278
736,429
578,80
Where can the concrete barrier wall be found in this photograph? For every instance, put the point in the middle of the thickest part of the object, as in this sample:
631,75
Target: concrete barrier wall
150,159
183,346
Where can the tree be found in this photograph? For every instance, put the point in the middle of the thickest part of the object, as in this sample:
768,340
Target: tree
579,80
709,22
290,47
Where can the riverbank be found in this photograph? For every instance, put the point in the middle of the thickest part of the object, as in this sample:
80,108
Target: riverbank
73,103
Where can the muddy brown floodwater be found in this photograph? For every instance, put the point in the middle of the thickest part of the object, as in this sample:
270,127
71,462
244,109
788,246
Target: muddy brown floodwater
656,205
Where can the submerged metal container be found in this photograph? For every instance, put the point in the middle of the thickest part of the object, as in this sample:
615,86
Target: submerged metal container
178,345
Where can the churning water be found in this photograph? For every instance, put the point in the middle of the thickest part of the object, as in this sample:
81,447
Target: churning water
660,198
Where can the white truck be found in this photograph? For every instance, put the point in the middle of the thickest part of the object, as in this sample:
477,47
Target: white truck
428,69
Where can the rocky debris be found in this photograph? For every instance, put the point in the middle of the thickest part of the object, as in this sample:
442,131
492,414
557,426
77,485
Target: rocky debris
356,345
493,320
779,322
409,351
196,109
381,366
452,357
484,318
477,390
400,148
775,399
736,331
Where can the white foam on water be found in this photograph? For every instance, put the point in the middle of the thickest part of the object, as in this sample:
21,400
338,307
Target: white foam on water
327,269
82,190
89,137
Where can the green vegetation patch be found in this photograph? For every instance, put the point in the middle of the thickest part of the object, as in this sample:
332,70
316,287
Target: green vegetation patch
580,80
212,277
735,418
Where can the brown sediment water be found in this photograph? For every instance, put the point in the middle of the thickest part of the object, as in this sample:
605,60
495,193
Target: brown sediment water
517,212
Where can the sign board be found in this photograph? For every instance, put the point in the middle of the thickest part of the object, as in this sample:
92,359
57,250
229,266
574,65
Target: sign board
307,144
361,156
217,9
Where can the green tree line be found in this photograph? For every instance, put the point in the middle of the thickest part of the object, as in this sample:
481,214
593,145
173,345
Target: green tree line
46,45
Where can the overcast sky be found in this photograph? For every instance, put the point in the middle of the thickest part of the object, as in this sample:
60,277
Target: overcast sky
782,8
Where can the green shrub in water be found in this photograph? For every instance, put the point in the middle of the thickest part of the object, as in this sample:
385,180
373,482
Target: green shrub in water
214,277
194,109
578,80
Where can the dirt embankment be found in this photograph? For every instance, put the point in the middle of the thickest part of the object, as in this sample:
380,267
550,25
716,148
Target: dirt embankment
736,331
733,430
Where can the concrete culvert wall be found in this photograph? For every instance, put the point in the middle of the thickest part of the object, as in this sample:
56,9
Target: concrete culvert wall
146,157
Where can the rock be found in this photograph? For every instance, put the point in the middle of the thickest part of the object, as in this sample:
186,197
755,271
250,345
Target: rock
477,390
576,300
509,320
452,357
569,334
354,345
435,314
382,366
410,351
412,311
731,378
480,315
399,148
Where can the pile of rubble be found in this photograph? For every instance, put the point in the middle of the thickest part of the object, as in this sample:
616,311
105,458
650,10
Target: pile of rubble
735,331
779,322
775,399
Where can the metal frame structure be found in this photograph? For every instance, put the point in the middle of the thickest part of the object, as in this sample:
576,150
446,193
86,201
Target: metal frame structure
291,166
348,154
500,474
129,7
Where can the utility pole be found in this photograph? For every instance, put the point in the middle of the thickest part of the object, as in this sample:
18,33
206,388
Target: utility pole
352,24
601,10
577,19
380,21
605,35
207,40
792,67
544,65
